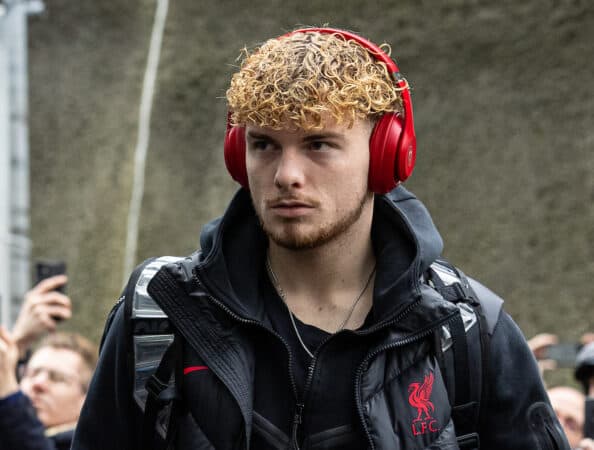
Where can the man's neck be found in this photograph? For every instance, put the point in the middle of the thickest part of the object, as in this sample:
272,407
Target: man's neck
321,285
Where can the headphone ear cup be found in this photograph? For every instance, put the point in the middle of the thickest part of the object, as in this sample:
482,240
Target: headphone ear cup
235,155
383,147
392,153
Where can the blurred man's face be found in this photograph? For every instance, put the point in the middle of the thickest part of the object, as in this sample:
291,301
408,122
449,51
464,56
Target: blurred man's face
310,187
569,407
53,381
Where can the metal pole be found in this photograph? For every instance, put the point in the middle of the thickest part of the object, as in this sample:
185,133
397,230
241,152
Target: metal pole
15,263
5,292
142,143
20,221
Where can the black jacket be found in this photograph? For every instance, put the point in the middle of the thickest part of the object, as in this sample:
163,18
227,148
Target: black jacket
398,390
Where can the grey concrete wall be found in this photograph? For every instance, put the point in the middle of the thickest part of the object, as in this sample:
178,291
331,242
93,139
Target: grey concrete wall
503,98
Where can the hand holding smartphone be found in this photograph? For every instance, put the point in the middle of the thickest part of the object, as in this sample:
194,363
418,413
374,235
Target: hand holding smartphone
44,305
563,353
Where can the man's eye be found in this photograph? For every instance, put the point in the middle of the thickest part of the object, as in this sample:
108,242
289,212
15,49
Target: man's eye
30,373
56,377
317,145
260,145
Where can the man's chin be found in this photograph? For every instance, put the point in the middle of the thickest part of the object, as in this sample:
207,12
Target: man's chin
293,244
299,241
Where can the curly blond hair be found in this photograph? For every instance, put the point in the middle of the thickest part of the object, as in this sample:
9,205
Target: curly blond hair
302,79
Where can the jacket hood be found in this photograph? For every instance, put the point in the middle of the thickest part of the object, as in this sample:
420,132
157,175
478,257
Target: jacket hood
418,225
233,248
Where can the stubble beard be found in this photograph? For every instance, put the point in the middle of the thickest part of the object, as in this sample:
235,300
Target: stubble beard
292,239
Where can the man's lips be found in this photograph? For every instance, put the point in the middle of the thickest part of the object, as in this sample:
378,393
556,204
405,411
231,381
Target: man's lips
290,208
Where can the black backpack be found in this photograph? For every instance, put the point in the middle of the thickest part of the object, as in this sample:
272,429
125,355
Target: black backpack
155,350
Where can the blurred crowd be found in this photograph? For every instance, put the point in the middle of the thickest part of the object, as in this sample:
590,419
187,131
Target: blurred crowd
574,407
44,373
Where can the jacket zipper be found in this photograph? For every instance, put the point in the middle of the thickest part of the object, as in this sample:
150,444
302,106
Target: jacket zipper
298,417
408,340
299,400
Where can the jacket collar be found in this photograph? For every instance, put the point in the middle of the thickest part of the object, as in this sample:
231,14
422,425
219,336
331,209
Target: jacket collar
233,250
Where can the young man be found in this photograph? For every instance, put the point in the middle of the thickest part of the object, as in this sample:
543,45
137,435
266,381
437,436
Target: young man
308,318
41,411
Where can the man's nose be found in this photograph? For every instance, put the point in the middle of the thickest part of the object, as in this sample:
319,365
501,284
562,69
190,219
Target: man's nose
40,380
289,169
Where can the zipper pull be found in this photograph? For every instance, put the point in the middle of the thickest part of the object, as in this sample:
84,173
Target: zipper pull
297,419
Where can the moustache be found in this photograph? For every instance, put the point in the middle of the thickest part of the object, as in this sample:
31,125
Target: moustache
288,201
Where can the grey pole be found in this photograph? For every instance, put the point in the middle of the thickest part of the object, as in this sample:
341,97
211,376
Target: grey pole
15,256
142,144
5,292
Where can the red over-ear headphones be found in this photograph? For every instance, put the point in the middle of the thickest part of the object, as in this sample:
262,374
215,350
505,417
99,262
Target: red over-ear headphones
392,145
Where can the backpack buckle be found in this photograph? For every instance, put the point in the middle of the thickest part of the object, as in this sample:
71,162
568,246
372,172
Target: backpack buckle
454,292
159,391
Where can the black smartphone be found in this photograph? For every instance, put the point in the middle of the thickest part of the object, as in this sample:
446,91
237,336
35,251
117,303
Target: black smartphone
564,353
48,268
589,418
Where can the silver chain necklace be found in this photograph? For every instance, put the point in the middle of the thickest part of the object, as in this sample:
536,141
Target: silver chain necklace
283,296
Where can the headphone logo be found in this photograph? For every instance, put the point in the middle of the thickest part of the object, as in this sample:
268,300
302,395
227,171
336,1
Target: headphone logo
410,155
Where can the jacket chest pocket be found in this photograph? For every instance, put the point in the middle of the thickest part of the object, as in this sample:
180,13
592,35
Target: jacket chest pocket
405,401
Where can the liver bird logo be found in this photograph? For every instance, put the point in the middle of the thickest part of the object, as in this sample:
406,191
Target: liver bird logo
419,395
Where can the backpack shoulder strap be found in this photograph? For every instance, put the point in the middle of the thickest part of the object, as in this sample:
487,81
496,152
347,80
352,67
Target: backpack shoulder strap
491,303
151,353
462,341
127,293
